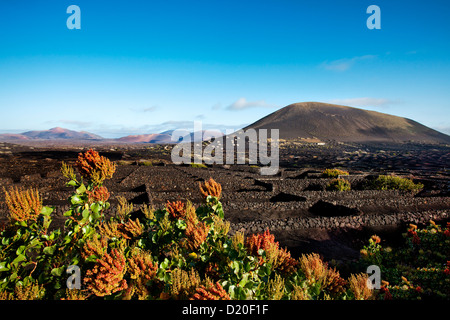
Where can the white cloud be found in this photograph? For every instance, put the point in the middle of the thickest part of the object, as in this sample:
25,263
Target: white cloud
345,64
147,109
242,104
200,117
362,102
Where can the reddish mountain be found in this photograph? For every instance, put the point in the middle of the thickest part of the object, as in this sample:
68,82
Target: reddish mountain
147,138
51,134
61,133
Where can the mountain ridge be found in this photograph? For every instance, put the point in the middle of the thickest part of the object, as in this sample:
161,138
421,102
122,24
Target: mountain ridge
328,122
317,120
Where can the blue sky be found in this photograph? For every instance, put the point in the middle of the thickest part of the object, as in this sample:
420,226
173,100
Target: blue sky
146,66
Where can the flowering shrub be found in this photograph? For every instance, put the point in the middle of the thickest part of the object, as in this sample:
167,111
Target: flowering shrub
334,173
419,270
338,185
178,251
23,205
384,182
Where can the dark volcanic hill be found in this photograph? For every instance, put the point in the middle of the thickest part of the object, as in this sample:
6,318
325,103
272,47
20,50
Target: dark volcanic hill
341,123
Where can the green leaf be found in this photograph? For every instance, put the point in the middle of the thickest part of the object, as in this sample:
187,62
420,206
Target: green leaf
4,266
164,264
155,237
67,213
244,280
181,224
95,216
81,189
21,223
71,183
96,207
75,199
235,265
87,229
49,250
75,261
85,214
57,271
13,276
54,235
46,211
91,258
19,259
232,292
20,250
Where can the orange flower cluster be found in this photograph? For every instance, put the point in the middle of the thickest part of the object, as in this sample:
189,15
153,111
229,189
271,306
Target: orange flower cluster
128,230
183,283
210,292
385,290
259,241
333,282
315,270
447,270
94,167
141,266
176,209
95,247
280,259
98,194
211,188
358,285
196,235
107,275
413,233
376,239
109,229
313,267
196,232
74,294
23,205
132,228
447,231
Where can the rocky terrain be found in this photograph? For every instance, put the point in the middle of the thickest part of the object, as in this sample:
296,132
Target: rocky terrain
293,204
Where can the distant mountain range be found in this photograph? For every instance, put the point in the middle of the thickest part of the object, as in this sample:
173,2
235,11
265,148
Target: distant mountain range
56,133
326,122
61,134
160,138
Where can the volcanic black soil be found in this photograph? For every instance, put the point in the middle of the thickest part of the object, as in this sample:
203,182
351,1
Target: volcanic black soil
293,204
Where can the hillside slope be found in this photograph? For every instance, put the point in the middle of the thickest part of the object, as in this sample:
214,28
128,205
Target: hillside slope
347,124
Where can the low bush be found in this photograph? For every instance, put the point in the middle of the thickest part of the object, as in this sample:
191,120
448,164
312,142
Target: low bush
146,163
384,182
338,185
334,173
